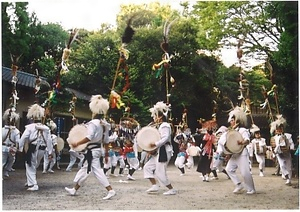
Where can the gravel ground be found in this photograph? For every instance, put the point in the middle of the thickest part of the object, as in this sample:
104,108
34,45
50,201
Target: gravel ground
193,193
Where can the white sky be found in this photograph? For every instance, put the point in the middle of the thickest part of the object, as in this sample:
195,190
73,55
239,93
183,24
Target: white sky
90,14
87,14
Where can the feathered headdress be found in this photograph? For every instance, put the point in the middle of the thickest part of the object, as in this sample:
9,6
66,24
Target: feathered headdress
159,106
280,121
239,115
10,115
35,112
254,129
98,105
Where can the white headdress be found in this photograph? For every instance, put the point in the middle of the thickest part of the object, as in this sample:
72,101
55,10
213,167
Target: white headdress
239,115
98,105
280,121
159,106
254,129
10,115
36,112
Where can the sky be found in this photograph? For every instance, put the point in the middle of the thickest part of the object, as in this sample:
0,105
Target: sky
90,14
87,14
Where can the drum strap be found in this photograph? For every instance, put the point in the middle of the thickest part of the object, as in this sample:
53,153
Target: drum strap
7,135
226,148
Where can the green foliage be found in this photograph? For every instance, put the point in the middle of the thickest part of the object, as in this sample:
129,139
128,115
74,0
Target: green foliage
211,25
257,78
6,34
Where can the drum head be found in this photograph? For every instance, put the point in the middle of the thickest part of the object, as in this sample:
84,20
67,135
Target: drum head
193,151
139,149
77,133
146,136
231,144
60,144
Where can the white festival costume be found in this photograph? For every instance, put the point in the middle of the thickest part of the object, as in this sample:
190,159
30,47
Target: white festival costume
239,160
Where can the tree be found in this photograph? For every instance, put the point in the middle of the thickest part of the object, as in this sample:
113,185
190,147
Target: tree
16,35
6,34
223,23
285,60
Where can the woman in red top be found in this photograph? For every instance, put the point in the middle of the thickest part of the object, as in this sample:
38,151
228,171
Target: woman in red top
207,155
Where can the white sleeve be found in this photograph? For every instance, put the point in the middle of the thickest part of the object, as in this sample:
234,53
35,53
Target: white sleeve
24,137
165,132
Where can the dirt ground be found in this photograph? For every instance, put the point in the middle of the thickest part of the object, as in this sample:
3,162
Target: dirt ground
193,193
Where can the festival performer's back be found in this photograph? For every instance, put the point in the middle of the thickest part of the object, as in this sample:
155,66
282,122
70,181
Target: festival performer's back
39,138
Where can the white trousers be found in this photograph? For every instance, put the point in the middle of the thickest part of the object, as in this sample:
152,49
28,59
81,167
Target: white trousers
108,164
115,159
143,157
285,163
47,161
7,161
217,164
31,170
133,163
179,162
153,169
96,169
261,160
190,162
40,156
240,161
73,158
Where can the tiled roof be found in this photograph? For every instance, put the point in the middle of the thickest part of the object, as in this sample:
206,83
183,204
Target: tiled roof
28,80
25,79
79,94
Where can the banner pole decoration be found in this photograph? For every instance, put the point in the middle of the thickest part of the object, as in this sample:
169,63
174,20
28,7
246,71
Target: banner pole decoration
266,103
67,51
122,68
165,63
244,88
72,108
14,69
272,92
61,69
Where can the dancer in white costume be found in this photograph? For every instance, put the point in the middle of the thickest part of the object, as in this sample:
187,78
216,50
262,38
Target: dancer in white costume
10,140
238,120
181,140
284,144
157,164
260,148
98,132
39,138
190,142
